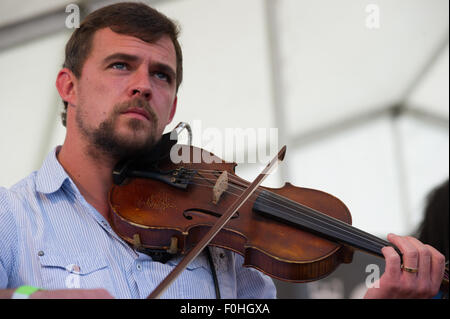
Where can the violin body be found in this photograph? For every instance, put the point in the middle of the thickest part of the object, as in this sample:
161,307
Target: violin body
152,213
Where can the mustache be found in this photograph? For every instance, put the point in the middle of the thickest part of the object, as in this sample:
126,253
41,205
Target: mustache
136,103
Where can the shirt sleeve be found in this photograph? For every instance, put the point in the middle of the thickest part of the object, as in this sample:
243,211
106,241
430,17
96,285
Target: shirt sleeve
251,283
8,239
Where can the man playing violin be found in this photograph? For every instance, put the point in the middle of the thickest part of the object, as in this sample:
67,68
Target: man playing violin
119,84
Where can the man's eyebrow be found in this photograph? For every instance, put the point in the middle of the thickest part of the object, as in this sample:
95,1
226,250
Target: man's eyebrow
120,56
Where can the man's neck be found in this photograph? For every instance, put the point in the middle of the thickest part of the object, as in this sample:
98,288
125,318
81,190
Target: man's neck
91,173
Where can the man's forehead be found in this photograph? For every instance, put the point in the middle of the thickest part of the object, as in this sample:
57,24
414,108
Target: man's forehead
106,41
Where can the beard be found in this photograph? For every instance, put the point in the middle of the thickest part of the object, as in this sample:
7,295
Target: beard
107,141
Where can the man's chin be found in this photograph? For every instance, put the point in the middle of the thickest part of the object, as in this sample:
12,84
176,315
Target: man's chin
124,138
134,148
136,129
132,127
118,147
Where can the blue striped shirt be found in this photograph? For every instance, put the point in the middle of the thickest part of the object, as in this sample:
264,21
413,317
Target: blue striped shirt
50,237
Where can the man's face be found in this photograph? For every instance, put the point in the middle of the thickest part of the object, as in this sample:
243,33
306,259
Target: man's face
126,93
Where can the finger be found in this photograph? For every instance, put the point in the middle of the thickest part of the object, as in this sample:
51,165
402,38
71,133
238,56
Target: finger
424,259
393,259
424,286
408,250
437,266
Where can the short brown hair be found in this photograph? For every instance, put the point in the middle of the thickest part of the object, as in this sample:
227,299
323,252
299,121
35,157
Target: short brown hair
130,18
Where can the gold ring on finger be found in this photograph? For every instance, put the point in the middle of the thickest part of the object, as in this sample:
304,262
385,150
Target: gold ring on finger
411,270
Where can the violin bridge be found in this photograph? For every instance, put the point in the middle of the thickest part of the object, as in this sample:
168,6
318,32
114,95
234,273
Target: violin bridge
220,187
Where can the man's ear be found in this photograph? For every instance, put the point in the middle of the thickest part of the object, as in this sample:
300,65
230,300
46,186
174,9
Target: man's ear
172,111
65,84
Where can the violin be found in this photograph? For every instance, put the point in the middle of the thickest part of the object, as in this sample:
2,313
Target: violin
291,233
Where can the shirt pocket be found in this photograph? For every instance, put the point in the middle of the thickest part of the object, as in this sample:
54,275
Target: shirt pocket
76,271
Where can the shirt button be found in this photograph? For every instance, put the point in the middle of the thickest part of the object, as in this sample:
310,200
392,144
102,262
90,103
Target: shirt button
105,224
139,267
40,253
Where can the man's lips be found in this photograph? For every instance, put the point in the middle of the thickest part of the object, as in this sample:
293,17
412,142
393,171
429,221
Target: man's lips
138,111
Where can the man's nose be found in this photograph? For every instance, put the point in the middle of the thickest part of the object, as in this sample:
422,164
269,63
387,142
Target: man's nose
141,86
142,92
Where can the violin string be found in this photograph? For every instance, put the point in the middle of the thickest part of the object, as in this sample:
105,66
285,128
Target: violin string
325,219
329,220
348,229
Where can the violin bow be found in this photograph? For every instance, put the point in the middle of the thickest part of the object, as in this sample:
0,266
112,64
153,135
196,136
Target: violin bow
196,250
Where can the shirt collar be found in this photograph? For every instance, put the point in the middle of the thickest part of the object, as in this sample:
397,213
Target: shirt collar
51,175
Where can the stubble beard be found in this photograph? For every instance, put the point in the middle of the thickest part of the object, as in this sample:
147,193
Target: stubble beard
105,141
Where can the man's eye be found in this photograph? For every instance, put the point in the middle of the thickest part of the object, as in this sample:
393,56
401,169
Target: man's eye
162,76
119,66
